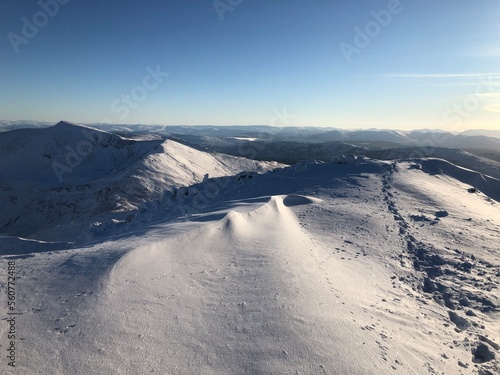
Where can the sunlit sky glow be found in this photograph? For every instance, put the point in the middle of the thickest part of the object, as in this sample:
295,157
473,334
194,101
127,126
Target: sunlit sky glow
419,64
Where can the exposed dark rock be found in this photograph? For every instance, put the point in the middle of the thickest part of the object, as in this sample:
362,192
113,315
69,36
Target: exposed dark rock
482,354
493,344
460,322
464,301
429,286
442,213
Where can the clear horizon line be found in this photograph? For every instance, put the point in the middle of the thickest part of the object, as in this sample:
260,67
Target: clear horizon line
443,75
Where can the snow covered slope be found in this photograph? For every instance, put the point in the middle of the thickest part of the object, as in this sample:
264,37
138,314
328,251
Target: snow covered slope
458,157
362,268
66,174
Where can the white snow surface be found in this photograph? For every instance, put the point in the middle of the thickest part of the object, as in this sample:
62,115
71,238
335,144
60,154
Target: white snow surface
359,268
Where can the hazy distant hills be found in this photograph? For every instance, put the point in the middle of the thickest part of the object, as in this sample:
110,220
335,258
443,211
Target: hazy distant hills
487,133
475,152
207,136
20,124
327,134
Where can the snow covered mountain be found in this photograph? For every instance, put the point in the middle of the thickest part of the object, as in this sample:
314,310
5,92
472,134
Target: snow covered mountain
66,174
367,267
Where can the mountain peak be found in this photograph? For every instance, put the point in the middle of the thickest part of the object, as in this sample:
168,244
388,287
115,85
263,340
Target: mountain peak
67,127
68,124
62,122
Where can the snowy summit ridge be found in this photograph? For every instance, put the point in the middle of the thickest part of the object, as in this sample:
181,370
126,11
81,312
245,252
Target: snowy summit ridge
68,165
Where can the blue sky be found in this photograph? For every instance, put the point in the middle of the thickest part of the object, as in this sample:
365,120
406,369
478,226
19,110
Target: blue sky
351,64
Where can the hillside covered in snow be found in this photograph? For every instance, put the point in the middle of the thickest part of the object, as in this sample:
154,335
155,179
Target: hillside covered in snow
151,256
65,175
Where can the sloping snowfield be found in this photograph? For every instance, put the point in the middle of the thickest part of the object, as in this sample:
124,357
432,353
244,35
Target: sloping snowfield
362,268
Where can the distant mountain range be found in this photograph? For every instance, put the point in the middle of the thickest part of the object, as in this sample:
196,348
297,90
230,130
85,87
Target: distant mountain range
239,130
